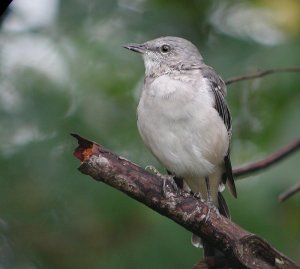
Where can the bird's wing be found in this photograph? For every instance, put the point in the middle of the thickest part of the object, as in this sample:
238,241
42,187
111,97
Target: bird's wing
218,89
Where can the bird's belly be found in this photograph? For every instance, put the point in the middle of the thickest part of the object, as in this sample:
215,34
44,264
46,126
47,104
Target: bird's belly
188,144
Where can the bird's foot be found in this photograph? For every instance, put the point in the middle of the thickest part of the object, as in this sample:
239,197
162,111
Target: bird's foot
211,207
169,185
198,195
151,169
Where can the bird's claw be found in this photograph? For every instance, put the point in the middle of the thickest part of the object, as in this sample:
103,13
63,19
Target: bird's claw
151,169
211,207
169,184
198,196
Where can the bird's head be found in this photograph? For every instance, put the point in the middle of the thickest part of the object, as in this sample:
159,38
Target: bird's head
165,54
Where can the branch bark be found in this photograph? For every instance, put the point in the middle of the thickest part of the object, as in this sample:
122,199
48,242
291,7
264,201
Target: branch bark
243,249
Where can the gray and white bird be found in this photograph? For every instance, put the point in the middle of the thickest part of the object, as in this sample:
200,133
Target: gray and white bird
183,118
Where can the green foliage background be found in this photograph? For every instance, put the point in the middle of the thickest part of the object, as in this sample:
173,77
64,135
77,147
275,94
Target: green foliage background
72,75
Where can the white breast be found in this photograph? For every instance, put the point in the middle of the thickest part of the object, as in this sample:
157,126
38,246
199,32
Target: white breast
178,123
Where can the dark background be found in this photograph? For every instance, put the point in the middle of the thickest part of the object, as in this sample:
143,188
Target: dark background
63,70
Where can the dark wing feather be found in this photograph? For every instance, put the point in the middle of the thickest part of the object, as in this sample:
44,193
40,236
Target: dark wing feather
230,179
223,208
218,89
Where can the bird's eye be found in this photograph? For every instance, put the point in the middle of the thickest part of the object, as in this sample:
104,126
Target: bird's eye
165,48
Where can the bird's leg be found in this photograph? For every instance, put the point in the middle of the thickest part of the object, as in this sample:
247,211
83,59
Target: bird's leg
209,200
210,203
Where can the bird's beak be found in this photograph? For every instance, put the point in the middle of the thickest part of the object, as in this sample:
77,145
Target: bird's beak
140,48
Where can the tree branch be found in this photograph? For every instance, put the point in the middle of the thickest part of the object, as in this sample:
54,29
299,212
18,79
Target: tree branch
262,73
268,161
243,249
288,193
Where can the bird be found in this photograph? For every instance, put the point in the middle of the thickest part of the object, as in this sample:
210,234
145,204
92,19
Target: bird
183,118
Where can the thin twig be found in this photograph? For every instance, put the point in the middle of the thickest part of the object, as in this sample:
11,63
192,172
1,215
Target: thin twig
268,161
289,192
262,73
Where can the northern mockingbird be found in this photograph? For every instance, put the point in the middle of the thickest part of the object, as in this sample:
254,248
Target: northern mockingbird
183,117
